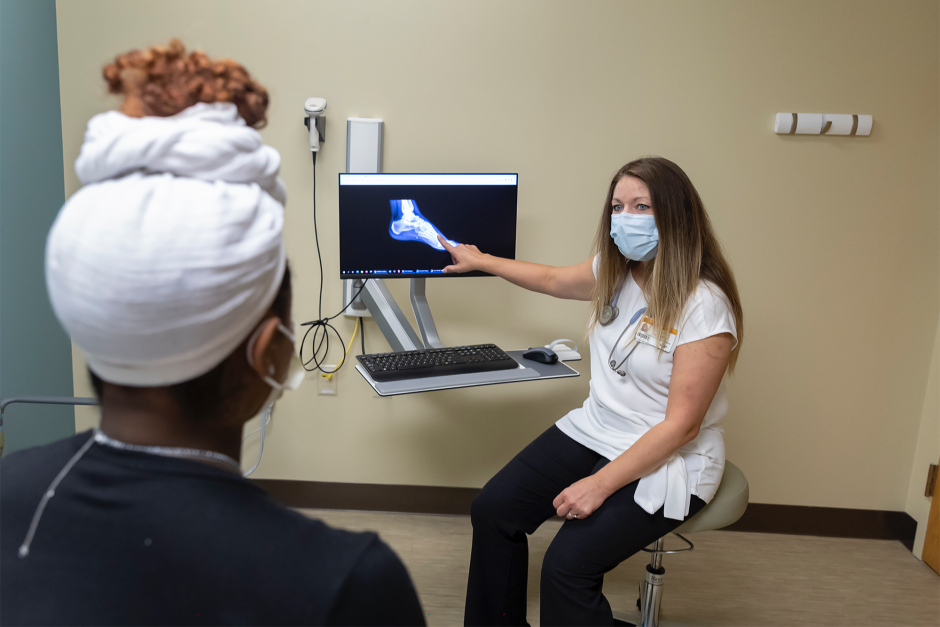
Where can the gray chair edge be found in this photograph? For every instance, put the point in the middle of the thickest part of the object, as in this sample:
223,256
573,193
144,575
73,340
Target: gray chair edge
727,506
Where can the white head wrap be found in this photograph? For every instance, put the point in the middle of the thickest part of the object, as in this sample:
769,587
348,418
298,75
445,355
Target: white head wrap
167,258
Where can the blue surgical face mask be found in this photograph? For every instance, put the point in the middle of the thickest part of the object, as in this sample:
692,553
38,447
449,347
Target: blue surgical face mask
635,235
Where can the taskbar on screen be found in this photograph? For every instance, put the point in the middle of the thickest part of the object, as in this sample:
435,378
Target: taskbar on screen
403,274
353,274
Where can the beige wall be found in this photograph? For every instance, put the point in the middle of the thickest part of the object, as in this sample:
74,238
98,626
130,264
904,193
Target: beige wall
834,240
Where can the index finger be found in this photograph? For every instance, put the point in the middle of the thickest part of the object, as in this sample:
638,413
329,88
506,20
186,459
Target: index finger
445,244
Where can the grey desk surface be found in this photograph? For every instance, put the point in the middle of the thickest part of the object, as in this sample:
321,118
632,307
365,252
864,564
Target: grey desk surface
528,371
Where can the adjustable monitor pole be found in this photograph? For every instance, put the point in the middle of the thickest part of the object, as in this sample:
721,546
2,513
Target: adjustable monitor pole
419,304
391,320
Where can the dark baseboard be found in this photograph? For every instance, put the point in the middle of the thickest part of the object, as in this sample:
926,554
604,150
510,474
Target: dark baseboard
760,517
833,522
411,499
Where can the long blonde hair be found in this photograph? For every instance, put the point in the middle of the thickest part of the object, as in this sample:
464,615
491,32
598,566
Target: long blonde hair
688,250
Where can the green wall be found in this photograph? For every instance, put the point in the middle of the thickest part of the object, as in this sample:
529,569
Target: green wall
35,353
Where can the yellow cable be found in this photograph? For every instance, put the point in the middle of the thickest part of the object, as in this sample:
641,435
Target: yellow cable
329,374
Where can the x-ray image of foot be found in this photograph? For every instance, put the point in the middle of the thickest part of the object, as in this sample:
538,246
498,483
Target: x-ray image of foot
408,224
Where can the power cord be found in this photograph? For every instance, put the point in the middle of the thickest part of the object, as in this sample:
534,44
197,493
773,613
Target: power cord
320,342
329,373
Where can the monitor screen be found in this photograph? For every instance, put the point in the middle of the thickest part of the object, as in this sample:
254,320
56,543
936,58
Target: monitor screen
389,223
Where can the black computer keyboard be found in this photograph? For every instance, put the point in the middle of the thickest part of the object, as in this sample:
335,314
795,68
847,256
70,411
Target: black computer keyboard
436,362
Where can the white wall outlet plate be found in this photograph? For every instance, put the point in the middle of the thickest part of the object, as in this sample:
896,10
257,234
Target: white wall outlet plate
326,382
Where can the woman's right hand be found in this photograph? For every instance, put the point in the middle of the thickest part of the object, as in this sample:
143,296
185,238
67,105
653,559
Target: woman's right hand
572,282
466,257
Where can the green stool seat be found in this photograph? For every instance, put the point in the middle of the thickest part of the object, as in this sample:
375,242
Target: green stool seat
725,508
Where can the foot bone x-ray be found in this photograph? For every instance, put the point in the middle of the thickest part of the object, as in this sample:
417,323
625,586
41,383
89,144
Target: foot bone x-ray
409,225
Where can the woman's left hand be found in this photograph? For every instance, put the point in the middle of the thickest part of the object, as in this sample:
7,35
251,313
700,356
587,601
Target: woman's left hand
580,499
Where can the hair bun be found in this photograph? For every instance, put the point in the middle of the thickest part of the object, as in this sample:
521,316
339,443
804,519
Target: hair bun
167,80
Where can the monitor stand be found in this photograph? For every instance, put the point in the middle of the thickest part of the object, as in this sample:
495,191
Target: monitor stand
402,337
391,320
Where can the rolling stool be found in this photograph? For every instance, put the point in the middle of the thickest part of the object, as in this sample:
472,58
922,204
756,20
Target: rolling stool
725,508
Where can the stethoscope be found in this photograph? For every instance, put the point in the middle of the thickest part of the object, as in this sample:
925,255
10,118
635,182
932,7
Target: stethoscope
610,358
610,311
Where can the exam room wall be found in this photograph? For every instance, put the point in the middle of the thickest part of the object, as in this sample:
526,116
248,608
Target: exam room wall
832,238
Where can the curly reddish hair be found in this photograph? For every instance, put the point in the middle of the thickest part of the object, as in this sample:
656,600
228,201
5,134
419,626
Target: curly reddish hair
164,80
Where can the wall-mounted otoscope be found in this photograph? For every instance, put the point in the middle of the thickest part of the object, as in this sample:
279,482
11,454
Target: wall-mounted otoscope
315,122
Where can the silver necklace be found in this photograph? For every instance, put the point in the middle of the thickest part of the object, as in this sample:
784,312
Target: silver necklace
100,438
168,451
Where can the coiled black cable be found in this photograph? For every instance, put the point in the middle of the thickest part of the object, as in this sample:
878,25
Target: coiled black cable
320,342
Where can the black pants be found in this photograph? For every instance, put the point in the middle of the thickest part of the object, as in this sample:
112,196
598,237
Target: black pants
519,499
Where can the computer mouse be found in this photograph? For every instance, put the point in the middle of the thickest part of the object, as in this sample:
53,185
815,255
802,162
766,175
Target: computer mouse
541,354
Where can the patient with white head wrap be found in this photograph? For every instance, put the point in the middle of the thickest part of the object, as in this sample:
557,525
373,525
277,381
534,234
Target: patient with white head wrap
169,272
172,251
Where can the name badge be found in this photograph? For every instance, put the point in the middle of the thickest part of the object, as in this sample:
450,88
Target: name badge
646,334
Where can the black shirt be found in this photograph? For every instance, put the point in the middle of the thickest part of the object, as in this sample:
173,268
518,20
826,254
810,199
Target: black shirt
137,539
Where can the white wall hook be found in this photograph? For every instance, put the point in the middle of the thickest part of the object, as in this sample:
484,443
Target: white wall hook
822,124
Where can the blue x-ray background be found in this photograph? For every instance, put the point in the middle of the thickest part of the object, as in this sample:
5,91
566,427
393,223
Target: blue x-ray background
483,215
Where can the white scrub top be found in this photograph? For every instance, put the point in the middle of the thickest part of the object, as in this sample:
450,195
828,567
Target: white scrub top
621,409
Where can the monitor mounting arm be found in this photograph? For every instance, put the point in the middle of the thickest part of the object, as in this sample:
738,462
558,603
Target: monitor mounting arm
391,320
422,311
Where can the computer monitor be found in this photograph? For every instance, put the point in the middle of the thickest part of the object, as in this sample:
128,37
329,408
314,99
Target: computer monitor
388,223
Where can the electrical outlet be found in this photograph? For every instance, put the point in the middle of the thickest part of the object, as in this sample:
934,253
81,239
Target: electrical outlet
326,384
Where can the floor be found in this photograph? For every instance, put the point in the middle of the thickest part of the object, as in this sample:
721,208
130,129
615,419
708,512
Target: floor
731,578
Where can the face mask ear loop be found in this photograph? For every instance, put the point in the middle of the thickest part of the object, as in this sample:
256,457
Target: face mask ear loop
50,492
251,362
265,418
290,334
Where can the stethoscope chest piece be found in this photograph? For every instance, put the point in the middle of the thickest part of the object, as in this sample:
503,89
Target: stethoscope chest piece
608,314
